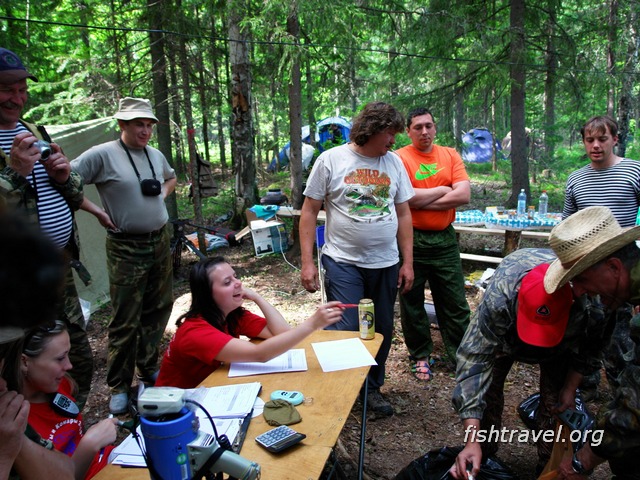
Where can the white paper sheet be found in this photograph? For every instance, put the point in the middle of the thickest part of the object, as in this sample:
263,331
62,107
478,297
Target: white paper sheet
342,354
226,401
291,361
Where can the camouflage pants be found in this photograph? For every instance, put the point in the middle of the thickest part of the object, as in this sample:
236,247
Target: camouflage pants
80,355
141,287
552,377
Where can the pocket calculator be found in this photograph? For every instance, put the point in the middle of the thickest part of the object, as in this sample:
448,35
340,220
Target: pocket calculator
279,438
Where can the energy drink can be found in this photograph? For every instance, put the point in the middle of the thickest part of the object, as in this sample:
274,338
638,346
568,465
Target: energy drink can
366,318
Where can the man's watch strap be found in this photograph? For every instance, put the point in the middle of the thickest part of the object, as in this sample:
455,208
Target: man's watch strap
578,467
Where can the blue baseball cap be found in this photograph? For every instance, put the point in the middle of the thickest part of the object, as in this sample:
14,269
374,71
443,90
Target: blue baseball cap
11,68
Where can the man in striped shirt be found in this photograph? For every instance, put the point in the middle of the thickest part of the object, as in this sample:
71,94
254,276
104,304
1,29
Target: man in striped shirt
608,180
614,182
47,192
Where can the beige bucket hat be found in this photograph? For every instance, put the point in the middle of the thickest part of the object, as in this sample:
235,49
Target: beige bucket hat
582,240
131,108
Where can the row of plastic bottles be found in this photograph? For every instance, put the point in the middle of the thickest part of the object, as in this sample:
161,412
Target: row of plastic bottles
543,203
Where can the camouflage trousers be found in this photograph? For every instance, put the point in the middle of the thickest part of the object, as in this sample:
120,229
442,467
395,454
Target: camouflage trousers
552,377
80,355
141,287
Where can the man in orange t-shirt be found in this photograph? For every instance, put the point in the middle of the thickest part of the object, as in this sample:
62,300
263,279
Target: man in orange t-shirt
441,184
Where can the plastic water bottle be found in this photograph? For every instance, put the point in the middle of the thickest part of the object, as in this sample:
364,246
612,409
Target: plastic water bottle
522,203
543,203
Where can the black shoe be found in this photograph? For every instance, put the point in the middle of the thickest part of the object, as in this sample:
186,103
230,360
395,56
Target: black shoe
378,404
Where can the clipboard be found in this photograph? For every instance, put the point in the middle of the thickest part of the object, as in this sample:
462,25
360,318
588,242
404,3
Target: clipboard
239,440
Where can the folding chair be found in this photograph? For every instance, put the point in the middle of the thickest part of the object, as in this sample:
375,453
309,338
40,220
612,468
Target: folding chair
321,272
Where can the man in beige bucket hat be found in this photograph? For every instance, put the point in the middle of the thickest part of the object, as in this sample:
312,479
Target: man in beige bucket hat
133,179
601,258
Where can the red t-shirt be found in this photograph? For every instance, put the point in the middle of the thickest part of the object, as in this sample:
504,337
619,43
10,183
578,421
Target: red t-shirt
65,433
191,354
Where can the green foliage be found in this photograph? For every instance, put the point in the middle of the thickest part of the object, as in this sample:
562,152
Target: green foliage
89,53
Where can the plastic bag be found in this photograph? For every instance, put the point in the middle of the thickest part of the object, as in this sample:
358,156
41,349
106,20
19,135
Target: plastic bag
435,465
528,410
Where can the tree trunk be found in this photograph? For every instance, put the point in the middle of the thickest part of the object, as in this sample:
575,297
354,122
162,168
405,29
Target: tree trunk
295,125
274,122
625,106
242,127
612,40
177,119
218,102
193,157
519,160
161,89
311,104
551,60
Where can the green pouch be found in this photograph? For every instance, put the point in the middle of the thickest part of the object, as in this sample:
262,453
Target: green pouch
281,412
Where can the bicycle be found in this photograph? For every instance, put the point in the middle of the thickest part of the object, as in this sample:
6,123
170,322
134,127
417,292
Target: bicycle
180,241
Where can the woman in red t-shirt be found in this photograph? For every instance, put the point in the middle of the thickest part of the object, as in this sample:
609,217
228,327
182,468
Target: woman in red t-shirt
45,362
208,333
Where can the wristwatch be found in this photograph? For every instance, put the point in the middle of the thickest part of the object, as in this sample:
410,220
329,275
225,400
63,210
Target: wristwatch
578,467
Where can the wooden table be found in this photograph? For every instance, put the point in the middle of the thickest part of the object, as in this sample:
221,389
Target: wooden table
333,394
512,239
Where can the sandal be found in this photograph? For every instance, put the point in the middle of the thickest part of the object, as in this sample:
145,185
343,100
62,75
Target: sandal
421,370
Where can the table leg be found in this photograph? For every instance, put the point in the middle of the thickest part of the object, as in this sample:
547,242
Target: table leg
511,241
363,427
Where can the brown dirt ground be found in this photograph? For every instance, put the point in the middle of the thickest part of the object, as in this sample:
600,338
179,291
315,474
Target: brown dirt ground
424,418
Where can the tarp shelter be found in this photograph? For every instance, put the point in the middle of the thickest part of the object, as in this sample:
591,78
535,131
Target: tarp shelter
75,139
477,146
334,129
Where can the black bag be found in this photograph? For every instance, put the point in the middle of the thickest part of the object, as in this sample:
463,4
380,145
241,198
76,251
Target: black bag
435,465
150,187
528,409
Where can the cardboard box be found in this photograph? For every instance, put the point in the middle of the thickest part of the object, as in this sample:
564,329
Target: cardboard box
269,237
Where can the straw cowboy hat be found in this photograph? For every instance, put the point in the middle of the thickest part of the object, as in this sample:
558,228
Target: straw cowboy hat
582,240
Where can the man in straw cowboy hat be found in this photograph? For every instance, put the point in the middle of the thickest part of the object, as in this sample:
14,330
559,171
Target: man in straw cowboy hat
597,256
517,320
133,179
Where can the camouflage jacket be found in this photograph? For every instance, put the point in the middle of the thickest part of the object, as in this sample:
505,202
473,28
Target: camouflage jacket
492,332
620,419
17,193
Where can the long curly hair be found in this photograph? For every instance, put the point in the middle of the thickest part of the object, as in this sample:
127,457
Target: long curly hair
374,118
202,302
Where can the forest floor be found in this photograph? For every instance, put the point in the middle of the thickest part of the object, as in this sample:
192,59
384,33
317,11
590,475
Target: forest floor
424,417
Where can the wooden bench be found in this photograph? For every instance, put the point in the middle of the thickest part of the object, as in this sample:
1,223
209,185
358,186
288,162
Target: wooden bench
511,241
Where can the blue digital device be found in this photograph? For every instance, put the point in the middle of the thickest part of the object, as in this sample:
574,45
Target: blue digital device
293,397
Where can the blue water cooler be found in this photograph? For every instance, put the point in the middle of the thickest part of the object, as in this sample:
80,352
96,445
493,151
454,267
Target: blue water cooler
166,443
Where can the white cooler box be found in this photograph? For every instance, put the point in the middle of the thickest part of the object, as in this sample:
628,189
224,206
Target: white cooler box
269,237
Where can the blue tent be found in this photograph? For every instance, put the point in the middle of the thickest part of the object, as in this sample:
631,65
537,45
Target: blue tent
477,146
333,129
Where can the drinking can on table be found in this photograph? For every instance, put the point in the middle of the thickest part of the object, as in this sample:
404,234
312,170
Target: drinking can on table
366,317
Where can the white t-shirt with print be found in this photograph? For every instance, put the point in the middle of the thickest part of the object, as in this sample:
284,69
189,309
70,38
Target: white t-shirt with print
360,194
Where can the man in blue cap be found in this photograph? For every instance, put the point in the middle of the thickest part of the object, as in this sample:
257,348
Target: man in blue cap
39,183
